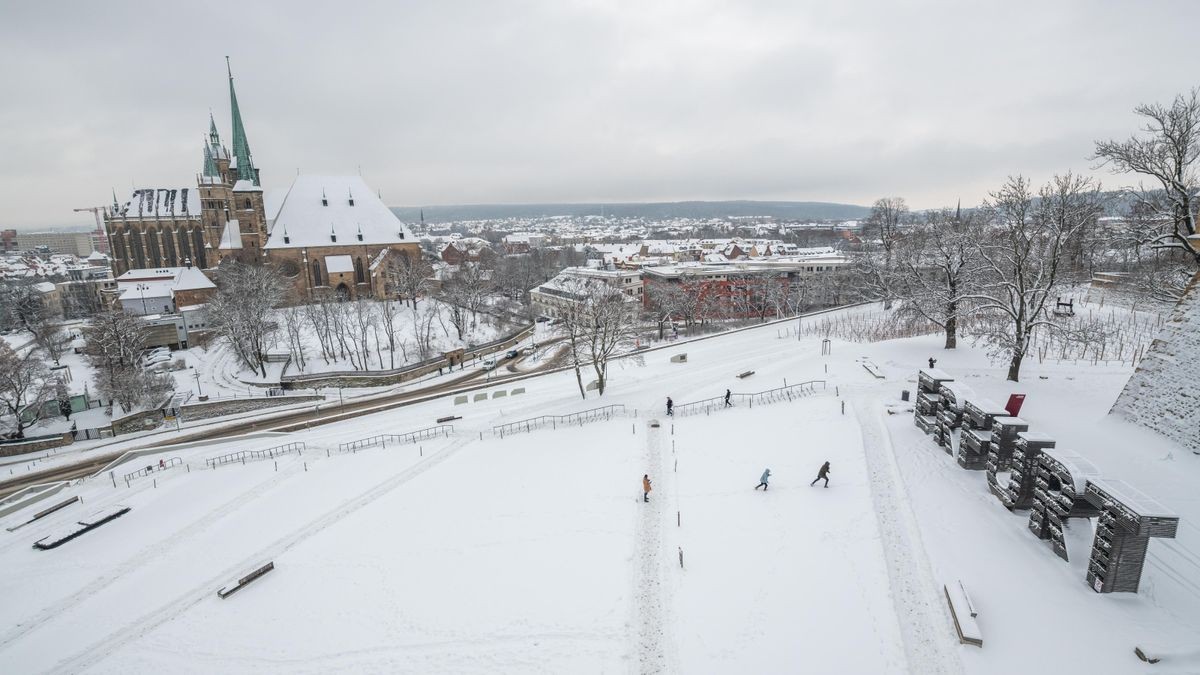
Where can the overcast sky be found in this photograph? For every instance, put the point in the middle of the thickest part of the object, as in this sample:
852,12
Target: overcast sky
564,101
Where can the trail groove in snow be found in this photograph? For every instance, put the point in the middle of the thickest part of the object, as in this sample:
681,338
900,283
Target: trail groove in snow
650,613
149,554
925,623
122,635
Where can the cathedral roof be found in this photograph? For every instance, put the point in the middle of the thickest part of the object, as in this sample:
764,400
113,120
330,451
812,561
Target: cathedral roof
334,211
161,203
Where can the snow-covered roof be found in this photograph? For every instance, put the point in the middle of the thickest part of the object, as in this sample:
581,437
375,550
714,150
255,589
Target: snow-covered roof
162,203
317,210
168,278
339,263
97,255
231,236
44,287
246,186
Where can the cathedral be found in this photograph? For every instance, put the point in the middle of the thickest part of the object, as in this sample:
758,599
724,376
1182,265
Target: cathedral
323,233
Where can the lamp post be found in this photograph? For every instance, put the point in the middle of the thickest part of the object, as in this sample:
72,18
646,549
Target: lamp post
142,288
196,374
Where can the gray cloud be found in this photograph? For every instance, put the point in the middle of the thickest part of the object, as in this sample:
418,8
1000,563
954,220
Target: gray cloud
466,102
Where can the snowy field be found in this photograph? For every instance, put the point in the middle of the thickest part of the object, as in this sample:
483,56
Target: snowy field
533,552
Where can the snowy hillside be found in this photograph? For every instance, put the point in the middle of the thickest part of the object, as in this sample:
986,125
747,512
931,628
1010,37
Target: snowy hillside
533,551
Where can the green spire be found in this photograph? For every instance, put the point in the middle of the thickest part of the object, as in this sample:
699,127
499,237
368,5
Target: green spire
241,147
210,167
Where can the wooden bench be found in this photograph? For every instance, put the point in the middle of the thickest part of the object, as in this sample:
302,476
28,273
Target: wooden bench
963,611
229,590
742,376
449,418
873,370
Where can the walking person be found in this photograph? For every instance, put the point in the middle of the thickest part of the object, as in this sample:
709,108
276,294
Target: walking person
822,474
670,407
762,482
646,487
932,362
728,395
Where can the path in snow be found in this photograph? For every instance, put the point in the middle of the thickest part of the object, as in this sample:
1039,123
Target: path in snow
925,623
122,635
651,615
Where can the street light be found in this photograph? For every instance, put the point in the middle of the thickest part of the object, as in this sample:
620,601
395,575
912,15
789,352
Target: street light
142,288
196,374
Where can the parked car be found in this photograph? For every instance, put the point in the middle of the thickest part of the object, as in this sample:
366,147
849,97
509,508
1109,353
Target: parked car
156,358
511,354
488,364
543,319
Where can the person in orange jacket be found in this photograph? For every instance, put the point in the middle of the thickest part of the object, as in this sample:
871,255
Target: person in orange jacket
646,487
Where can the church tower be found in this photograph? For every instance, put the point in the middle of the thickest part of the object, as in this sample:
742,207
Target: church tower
248,209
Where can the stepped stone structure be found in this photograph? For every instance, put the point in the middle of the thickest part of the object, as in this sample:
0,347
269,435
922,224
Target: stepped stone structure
1163,394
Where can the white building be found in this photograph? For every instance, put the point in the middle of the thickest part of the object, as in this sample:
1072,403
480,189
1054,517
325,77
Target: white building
561,295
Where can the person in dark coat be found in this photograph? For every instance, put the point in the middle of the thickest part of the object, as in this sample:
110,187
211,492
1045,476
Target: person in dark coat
822,474
728,395
762,482
932,361
670,407
646,487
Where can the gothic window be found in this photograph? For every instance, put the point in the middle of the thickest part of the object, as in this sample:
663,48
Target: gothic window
168,242
198,257
359,276
139,253
118,244
316,273
152,248
248,207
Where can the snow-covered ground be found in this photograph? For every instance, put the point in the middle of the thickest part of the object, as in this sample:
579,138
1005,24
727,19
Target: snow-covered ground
534,552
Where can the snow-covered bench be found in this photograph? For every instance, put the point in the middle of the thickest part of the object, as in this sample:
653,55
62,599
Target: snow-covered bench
963,611
233,587
69,532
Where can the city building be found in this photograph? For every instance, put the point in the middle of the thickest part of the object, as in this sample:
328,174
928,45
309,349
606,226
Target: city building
559,296
75,243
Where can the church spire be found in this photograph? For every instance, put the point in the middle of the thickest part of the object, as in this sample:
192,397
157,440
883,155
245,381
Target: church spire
214,139
210,166
241,147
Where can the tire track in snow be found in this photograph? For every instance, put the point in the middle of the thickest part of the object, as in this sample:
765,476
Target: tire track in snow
925,623
650,605
99,650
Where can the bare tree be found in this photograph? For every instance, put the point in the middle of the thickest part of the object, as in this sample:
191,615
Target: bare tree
601,322
242,310
113,343
388,310
1166,153
410,277
1022,257
938,268
293,328
50,337
25,387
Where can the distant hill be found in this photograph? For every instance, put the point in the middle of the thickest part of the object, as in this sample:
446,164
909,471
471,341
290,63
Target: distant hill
650,210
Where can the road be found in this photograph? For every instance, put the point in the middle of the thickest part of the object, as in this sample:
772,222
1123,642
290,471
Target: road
294,421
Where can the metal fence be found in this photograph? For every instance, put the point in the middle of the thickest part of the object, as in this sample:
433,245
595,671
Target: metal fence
410,437
265,453
166,464
553,421
788,393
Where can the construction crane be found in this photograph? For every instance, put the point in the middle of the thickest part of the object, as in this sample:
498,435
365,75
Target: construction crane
101,238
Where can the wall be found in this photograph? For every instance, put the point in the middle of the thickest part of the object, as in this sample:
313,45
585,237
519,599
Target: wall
206,410
11,449
1163,394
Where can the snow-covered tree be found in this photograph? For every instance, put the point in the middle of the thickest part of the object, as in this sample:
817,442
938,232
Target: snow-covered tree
1021,257
600,324
409,277
25,386
113,345
1166,154
50,337
242,310
937,267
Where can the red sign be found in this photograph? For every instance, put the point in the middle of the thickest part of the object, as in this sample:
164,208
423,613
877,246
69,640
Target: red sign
1013,408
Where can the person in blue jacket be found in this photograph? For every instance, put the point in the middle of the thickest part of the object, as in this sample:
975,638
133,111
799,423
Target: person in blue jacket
763,481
